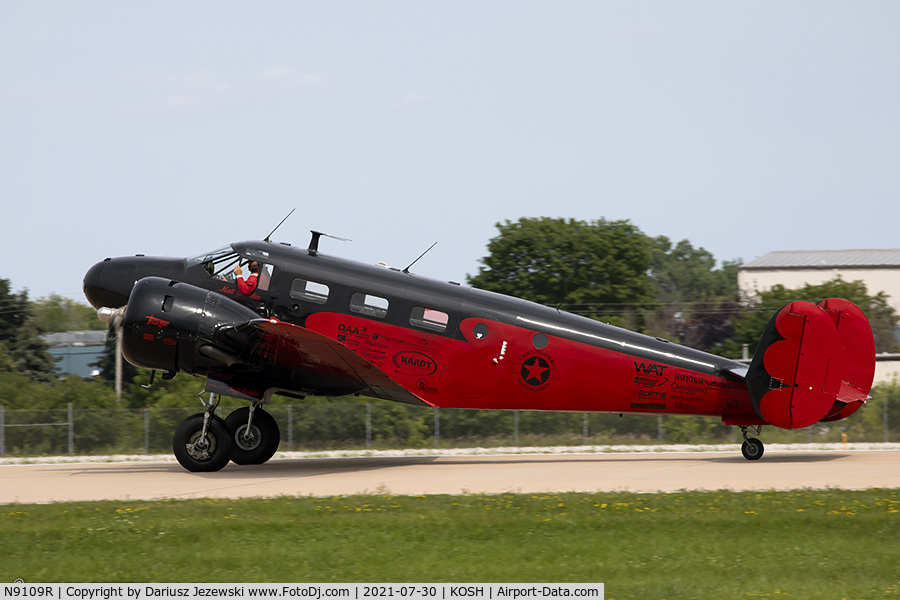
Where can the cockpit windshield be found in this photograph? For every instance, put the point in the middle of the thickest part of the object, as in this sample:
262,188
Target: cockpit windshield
216,262
224,263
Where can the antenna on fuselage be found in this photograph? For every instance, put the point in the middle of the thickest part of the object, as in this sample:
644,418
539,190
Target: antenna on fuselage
279,225
314,242
406,270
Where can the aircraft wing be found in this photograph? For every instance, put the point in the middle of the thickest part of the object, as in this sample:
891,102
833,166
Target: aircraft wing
296,353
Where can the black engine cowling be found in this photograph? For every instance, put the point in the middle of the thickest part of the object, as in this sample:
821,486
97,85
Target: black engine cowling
173,326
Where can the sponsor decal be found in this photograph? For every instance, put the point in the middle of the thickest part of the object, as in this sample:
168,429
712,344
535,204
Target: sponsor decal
536,370
169,341
151,320
689,389
732,404
149,337
650,369
649,394
413,363
686,405
649,381
648,405
353,330
422,386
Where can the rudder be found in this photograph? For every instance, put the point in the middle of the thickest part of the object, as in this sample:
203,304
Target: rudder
813,363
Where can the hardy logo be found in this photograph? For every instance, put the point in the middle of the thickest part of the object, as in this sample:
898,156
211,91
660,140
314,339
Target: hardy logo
414,363
151,320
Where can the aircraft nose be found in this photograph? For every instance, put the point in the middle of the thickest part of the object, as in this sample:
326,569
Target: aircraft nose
97,289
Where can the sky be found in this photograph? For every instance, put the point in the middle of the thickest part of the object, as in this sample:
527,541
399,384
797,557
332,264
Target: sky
171,128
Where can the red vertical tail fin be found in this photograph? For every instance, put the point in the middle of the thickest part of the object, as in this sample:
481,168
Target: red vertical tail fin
813,363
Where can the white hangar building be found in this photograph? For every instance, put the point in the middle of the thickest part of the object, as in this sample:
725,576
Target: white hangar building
878,269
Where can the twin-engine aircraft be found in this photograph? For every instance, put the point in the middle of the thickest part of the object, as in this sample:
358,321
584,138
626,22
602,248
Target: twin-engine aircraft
305,323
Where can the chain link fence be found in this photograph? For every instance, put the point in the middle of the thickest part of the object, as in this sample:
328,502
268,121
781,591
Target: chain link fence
346,426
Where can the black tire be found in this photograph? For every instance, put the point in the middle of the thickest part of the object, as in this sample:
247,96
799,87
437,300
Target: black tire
262,442
198,459
752,449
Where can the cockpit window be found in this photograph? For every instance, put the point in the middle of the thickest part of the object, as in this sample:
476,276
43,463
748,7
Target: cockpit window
220,264
216,262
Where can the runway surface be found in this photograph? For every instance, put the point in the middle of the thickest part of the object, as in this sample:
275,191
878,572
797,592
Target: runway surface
526,473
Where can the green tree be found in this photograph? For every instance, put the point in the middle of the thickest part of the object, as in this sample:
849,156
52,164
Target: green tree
6,362
31,356
14,311
56,314
699,301
598,268
753,319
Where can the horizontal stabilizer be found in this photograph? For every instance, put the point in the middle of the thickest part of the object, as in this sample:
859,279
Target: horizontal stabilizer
813,363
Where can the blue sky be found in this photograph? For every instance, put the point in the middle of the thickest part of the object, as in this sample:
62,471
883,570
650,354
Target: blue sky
170,128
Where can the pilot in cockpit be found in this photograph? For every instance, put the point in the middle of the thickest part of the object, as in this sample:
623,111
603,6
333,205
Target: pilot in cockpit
247,286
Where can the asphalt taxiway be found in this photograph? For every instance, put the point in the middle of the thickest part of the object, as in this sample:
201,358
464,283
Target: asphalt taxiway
413,475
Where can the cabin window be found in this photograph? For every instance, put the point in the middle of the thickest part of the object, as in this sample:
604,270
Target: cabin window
429,318
264,276
309,291
369,305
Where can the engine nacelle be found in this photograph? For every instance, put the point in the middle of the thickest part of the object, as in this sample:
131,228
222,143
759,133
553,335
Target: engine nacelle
173,326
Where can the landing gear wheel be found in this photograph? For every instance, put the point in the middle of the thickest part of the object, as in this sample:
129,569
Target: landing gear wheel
256,446
198,453
752,449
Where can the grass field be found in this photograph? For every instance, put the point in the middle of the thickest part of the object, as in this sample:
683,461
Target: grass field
800,545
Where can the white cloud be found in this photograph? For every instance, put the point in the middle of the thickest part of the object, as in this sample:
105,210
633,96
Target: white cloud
289,78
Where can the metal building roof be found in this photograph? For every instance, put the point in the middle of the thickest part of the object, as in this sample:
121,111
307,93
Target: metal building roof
826,259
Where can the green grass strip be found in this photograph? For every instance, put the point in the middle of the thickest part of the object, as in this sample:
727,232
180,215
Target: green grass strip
800,544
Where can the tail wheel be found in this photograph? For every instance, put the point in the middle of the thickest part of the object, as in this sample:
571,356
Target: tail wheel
752,449
198,452
255,445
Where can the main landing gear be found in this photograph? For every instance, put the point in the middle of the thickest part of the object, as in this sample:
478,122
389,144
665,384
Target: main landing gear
752,448
205,442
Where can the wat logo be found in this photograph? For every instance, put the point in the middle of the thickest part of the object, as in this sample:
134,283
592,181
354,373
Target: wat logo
536,371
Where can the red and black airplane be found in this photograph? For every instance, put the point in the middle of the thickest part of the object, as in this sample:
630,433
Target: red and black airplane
306,323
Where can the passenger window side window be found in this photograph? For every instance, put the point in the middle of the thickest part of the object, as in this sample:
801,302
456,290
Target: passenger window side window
428,318
309,291
369,305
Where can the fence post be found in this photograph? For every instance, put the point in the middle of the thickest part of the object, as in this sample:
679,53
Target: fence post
515,428
884,408
584,430
290,418
368,425
2,432
146,412
437,427
659,428
71,429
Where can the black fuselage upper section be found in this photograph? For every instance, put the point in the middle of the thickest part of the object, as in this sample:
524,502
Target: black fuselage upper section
296,282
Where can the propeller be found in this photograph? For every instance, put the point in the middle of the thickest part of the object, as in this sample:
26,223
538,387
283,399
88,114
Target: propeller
115,317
